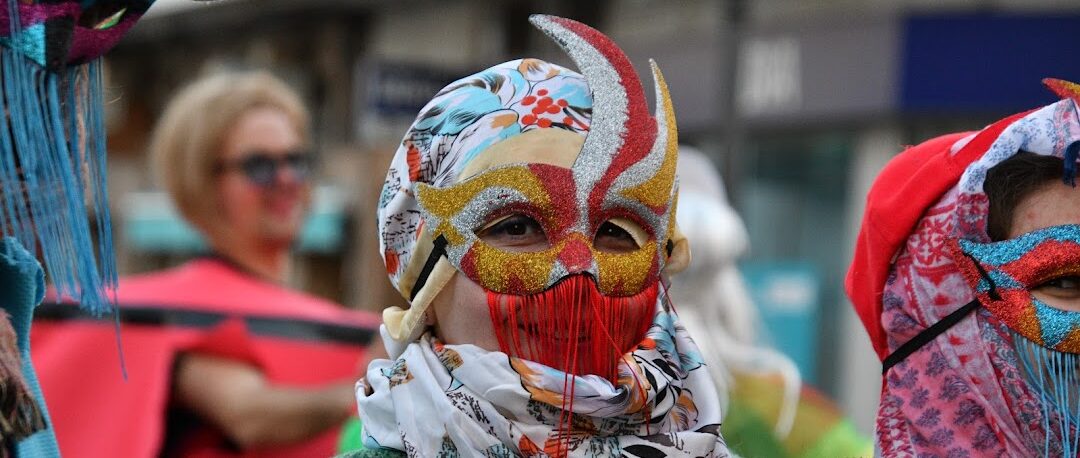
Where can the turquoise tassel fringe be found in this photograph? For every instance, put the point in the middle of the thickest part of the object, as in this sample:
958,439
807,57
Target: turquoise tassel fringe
52,167
1055,379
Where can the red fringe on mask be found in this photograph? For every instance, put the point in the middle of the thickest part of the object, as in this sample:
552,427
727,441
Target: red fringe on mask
574,328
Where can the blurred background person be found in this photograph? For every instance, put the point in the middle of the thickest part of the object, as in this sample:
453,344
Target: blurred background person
222,358
768,411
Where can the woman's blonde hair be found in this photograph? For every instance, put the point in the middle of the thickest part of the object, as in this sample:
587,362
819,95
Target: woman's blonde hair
186,143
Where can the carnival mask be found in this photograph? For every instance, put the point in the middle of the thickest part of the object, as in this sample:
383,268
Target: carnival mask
1003,275
589,226
623,177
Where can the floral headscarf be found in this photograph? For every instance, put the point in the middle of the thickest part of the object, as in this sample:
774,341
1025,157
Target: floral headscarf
964,392
468,116
625,169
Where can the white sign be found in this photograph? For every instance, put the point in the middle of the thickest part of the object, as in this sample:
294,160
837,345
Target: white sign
769,76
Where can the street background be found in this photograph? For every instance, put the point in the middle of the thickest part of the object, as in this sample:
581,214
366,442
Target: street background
798,102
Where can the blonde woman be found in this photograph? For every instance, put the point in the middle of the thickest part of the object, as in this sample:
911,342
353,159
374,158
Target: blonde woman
222,358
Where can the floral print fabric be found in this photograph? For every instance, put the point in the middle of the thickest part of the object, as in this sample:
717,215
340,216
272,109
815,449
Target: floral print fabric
962,394
459,400
464,119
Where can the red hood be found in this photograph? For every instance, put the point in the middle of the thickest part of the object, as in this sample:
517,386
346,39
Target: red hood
911,182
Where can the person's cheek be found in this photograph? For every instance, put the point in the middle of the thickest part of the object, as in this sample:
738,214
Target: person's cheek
305,200
243,202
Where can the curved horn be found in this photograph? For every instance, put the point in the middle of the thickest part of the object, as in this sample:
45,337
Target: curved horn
622,130
660,164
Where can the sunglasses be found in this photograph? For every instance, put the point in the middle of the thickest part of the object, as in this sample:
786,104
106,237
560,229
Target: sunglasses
262,168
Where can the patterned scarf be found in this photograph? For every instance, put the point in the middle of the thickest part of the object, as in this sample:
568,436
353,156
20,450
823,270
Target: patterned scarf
460,399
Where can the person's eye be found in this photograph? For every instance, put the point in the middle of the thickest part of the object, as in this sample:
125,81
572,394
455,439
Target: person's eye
612,238
301,163
1067,287
260,168
1061,292
1070,283
516,232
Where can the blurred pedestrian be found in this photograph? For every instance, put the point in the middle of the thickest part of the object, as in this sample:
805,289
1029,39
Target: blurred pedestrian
222,358
768,411
967,278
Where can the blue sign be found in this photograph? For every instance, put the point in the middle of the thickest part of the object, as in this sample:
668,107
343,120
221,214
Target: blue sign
788,296
985,63
401,89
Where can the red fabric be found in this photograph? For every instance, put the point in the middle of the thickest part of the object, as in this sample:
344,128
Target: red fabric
97,414
228,340
908,185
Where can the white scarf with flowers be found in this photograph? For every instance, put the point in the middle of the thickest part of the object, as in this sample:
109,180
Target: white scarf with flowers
461,400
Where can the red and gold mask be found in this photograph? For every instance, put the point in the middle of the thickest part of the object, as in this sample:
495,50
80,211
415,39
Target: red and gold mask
553,191
622,180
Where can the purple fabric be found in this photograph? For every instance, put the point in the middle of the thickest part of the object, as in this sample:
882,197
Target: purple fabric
85,43
89,44
36,13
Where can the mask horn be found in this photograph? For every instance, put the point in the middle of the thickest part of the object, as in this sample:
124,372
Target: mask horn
657,191
622,131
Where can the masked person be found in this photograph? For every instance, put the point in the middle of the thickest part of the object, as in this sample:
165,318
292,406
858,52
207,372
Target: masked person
528,217
965,277
767,409
222,358
52,159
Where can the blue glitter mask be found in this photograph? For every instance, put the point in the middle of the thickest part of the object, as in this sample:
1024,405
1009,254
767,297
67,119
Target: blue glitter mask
1004,274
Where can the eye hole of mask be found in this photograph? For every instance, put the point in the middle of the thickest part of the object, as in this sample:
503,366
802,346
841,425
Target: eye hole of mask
619,235
515,232
1061,292
101,16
